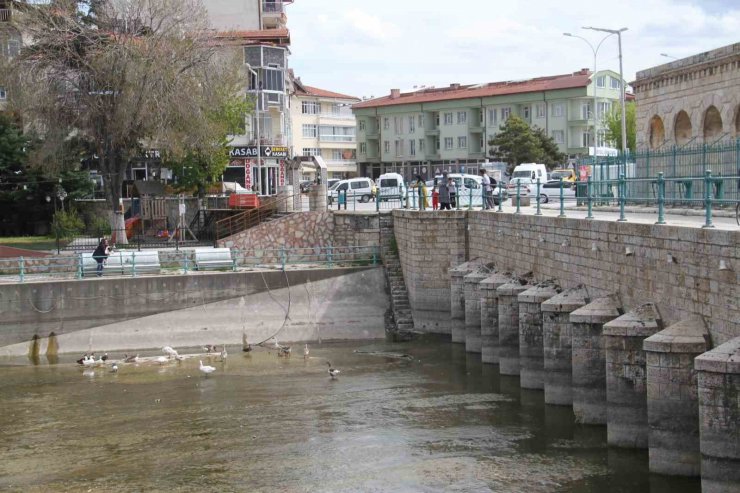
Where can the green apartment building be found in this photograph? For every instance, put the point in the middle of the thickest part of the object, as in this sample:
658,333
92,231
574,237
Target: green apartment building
434,129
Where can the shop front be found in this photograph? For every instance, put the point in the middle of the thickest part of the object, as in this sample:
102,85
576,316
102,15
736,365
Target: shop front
263,176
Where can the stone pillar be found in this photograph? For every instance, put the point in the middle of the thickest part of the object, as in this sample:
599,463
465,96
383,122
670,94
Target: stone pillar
626,378
531,358
672,402
457,299
295,180
489,316
285,199
471,293
508,327
557,336
719,417
589,361
317,197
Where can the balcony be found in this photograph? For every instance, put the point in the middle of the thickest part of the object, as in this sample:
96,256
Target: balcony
337,138
342,115
5,15
273,14
279,140
341,164
431,131
476,129
580,122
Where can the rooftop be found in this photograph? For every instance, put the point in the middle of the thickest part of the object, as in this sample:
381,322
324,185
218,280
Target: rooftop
279,36
304,90
457,91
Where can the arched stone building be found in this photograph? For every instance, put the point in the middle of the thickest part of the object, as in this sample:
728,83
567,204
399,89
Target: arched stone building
695,100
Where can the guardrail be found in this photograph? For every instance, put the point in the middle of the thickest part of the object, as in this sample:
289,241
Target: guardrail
77,266
269,207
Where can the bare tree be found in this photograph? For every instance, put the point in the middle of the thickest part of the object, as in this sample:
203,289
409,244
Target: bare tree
122,75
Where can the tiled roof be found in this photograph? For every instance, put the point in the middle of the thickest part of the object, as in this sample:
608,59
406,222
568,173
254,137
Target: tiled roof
550,83
323,93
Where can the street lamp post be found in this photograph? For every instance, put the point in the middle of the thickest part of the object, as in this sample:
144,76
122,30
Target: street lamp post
618,32
595,52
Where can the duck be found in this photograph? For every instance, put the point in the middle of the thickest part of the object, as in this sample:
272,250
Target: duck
104,357
284,351
89,361
179,357
305,351
169,351
131,359
206,369
333,372
224,354
114,368
81,361
162,359
246,347
100,361
209,348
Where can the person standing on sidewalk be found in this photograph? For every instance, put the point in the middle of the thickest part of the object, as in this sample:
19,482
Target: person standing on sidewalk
100,255
444,193
487,201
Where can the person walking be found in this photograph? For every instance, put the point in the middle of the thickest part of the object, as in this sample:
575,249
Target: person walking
444,193
453,191
421,189
488,185
435,195
100,255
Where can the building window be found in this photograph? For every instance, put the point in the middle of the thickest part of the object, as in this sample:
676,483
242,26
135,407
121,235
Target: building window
601,81
505,113
386,123
331,133
412,124
3,94
386,146
361,125
462,117
586,139
421,145
436,119
492,116
436,143
421,120
336,154
311,151
310,107
585,111
448,141
273,80
399,148
448,118
310,131
540,108
462,142
558,136
363,148
558,110
602,109
525,113
412,147
601,138
614,83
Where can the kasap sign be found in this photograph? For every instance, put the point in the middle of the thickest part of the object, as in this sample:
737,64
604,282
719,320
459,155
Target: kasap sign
265,151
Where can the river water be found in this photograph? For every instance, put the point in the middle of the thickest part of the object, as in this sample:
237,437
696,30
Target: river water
437,422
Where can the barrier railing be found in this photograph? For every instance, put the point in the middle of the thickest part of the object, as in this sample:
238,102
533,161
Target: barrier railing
75,266
268,207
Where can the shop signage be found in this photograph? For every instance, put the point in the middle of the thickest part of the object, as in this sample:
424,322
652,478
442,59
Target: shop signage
265,151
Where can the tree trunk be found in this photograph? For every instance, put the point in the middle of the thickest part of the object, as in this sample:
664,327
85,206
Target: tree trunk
114,169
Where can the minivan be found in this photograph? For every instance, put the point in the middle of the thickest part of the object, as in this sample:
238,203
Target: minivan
391,187
467,187
526,175
356,189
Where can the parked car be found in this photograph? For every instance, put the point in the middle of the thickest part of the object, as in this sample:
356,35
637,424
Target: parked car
550,191
305,185
390,186
356,189
331,182
565,174
467,186
527,174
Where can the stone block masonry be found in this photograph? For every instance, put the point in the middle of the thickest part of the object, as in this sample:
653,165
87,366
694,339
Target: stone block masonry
489,316
531,358
626,379
457,299
471,292
508,326
672,401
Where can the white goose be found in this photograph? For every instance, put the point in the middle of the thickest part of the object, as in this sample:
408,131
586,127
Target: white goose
224,354
333,372
89,361
169,351
114,368
305,351
162,360
206,369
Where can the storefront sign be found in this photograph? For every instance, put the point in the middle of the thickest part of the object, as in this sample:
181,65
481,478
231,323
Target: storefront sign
281,180
265,151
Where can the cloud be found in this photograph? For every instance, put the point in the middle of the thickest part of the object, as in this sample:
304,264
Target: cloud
371,25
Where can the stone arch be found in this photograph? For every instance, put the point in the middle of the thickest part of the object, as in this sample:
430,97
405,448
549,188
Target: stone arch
682,128
657,132
712,123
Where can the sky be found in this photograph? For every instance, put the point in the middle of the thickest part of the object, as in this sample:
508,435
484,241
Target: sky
365,48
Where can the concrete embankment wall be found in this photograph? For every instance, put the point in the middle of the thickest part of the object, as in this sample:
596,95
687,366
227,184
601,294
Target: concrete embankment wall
201,308
629,259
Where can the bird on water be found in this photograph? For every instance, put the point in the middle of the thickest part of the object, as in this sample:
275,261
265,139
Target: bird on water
246,347
169,352
206,369
131,359
305,351
333,372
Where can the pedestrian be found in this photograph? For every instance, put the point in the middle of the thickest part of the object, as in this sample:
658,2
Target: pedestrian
101,255
435,195
444,193
453,191
421,189
488,185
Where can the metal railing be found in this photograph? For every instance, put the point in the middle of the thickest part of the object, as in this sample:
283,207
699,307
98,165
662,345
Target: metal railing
268,208
72,266
5,14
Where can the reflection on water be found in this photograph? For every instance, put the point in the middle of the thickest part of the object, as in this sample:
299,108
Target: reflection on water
441,421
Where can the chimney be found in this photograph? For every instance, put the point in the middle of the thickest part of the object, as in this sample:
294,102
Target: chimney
455,85
395,93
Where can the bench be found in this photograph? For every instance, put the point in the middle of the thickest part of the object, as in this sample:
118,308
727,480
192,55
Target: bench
213,258
122,263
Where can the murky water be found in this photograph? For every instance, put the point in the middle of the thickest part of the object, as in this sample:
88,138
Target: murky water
439,422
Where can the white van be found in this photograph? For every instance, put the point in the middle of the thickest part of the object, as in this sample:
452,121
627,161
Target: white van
468,187
356,188
391,186
526,175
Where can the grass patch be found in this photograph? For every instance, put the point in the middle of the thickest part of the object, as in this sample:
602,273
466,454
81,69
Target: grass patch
42,243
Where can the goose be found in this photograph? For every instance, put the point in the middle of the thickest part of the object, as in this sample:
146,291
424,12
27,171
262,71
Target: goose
89,361
224,354
162,360
100,361
277,346
284,351
333,372
208,348
246,347
305,351
131,359
104,357
206,369
81,361
169,351
114,368
179,357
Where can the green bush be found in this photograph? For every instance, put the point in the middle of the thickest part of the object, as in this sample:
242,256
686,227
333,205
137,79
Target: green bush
99,226
67,224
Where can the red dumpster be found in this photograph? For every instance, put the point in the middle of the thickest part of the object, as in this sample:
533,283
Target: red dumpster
244,201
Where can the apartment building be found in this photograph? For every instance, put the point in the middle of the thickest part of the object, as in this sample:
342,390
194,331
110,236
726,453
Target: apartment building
259,28
10,42
323,125
434,129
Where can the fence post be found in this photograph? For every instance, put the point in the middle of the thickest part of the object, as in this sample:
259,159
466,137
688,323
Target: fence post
185,262
470,199
56,233
22,269
562,199
329,256
377,200
518,186
457,197
589,200
80,272
539,210
282,258
622,186
375,256
708,199
133,264
233,260
500,197
661,199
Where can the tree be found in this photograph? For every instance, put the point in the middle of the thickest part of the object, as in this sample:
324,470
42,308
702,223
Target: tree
613,124
122,76
518,143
